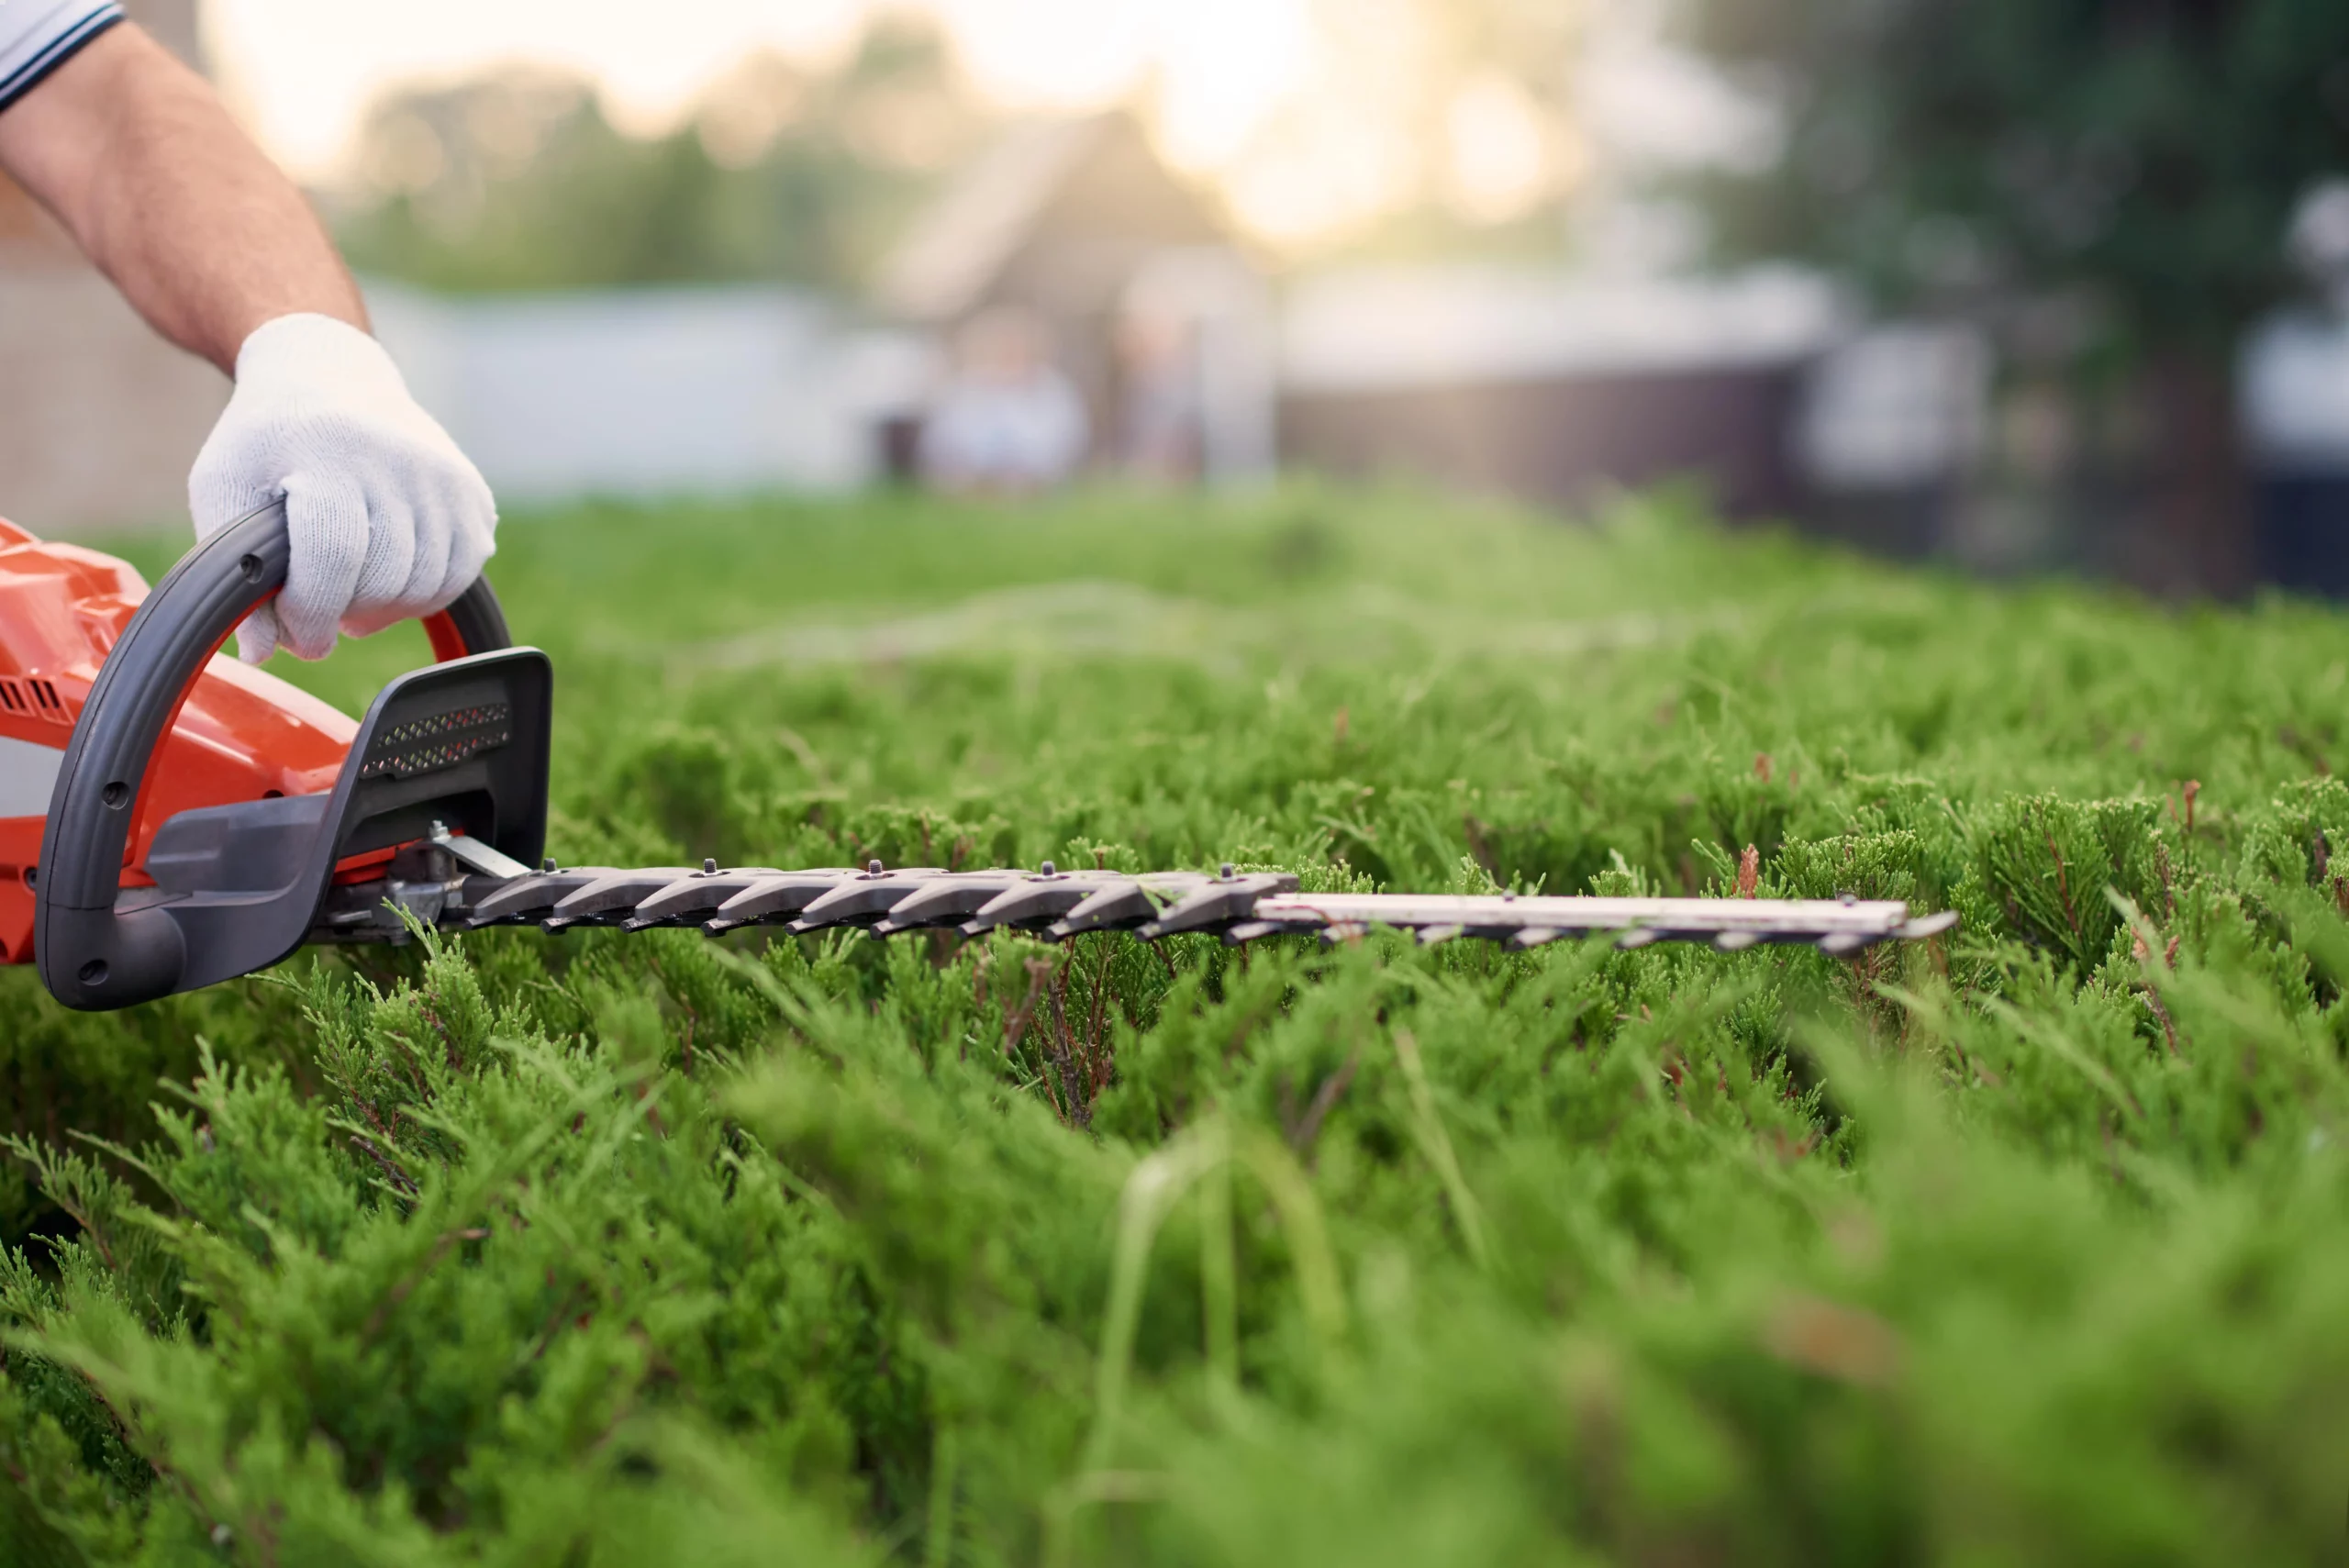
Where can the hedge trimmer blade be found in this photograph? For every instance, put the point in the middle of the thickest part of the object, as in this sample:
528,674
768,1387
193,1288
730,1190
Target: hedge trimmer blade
1056,905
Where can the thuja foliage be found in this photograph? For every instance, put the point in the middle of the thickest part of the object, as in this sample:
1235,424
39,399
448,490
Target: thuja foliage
2028,1244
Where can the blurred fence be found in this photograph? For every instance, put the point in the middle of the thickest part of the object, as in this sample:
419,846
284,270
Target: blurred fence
636,391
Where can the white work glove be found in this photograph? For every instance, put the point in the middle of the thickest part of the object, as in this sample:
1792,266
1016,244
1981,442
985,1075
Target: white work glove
388,519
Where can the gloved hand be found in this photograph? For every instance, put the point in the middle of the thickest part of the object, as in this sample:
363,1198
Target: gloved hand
388,519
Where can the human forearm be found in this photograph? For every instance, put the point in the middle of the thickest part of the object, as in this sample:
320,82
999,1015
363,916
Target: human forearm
384,517
201,232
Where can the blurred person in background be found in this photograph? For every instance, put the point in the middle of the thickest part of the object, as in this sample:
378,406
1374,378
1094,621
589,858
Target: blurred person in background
1008,420
1160,410
135,155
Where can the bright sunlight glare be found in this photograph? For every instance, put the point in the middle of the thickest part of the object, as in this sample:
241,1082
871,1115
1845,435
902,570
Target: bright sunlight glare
1313,116
304,71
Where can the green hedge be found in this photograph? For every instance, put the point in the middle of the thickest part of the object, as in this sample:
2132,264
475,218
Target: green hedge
2028,1244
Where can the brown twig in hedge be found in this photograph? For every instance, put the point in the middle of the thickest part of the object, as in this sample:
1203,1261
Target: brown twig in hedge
1097,1027
401,1181
2063,888
2169,1030
1015,1028
1305,1129
2144,954
686,1043
1060,1047
1749,872
554,1323
1473,829
405,1286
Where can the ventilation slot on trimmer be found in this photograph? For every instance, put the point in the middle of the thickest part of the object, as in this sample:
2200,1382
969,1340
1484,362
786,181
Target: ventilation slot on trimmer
45,699
12,699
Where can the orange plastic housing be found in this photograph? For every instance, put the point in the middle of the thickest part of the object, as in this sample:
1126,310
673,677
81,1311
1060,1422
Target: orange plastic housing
241,735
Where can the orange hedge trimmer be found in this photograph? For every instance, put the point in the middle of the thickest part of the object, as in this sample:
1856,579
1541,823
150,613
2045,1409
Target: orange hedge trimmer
169,818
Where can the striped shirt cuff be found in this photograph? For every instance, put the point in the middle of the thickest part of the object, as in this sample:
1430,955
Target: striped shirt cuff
31,48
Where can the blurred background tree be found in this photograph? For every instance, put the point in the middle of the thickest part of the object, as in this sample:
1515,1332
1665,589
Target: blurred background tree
784,174
2128,169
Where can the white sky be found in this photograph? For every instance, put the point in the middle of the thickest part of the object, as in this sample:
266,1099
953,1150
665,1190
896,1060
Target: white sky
304,71
1282,101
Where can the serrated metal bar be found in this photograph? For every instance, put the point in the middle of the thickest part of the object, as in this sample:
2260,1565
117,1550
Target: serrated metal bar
1059,905
860,900
610,900
1218,901
947,901
1127,903
527,897
774,898
1038,901
693,898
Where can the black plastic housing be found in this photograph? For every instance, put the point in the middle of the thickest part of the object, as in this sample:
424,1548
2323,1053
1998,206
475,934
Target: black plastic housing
463,743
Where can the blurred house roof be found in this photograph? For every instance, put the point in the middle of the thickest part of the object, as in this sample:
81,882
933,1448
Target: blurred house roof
961,243
1057,215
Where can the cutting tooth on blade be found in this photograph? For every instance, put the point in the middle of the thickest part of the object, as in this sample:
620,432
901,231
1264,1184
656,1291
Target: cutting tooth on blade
1925,926
609,899
1122,904
946,901
691,900
527,897
773,899
1219,901
1035,902
860,900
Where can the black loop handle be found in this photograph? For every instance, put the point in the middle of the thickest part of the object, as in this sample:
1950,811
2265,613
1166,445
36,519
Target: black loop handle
123,721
